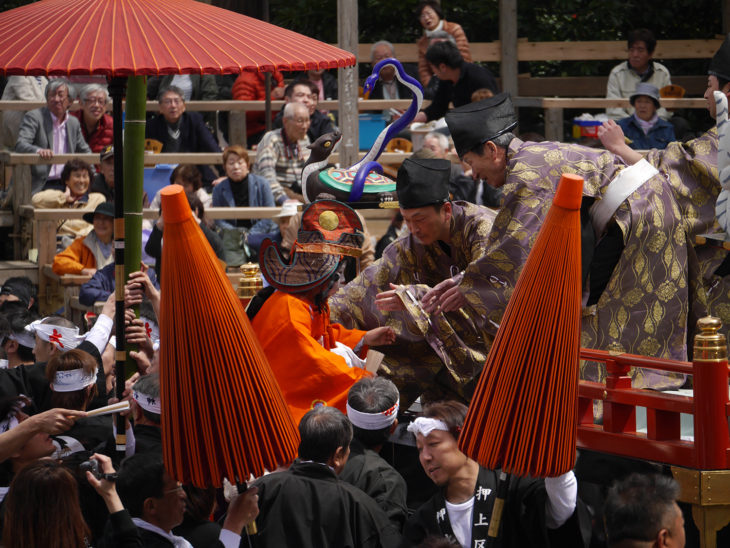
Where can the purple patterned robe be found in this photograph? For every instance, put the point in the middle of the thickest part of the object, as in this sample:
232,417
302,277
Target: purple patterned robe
661,284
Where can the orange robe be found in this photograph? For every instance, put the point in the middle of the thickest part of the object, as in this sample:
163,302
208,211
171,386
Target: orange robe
307,372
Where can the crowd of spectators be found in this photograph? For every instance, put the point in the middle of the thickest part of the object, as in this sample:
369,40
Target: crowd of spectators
63,483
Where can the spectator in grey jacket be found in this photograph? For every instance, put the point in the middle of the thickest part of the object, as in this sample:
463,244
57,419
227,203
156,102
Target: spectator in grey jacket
50,130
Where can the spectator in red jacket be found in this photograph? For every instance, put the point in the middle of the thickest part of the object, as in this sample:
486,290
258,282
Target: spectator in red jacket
251,86
97,126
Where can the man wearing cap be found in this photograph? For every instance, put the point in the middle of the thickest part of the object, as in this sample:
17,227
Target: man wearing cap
103,181
372,407
315,361
444,242
18,343
644,128
92,252
640,263
19,289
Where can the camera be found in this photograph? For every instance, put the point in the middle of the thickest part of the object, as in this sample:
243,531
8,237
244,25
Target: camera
93,467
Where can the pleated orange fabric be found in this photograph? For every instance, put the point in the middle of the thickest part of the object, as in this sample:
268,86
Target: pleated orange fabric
223,414
138,37
523,416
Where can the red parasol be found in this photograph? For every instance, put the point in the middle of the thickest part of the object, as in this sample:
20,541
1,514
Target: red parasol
133,38
150,37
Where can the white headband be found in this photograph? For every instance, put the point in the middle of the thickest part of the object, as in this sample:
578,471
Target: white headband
73,380
373,421
11,420
424,426
148,403
24,338
65,338
8,424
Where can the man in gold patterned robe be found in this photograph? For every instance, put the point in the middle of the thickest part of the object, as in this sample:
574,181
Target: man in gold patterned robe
443,351
646,281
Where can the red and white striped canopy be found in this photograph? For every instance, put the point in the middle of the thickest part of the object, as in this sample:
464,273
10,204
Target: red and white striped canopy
138,37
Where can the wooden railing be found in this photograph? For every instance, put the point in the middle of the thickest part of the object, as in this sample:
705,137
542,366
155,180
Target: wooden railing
564,51
43,224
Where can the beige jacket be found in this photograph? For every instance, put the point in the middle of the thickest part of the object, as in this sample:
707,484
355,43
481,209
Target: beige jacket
53,199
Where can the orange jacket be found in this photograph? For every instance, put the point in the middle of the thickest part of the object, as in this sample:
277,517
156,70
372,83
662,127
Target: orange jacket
75,258
251,86
289,332
455,30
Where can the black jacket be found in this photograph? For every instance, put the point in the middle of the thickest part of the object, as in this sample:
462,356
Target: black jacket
472,78
194,137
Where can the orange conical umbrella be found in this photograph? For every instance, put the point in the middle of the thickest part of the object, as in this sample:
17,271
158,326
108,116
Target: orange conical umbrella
223,413
523,416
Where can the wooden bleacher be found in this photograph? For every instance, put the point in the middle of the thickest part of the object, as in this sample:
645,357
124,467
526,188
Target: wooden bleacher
54,290
552,94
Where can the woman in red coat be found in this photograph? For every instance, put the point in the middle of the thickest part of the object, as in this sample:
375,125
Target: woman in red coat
251,86
97,126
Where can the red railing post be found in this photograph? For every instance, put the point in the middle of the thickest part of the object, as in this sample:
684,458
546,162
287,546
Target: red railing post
710,395
618,417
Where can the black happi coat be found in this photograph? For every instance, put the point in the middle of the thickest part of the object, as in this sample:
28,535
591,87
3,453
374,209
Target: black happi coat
523,518
368,471
307,506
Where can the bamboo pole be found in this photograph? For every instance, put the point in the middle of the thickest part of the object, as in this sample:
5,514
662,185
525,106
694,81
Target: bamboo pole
134,129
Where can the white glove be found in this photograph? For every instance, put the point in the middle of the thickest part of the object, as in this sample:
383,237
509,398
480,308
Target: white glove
352,359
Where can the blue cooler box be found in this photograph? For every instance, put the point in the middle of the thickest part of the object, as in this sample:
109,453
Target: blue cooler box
370,127
155,178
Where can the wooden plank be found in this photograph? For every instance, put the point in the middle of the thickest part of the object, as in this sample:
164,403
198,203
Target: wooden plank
25,159
595,102
241,106
8,269
592,86
554,124
55,215
564,51
599,51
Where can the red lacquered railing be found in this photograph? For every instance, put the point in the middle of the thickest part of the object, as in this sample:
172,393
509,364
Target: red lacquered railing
709,406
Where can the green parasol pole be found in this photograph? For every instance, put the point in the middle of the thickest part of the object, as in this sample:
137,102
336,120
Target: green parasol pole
134,128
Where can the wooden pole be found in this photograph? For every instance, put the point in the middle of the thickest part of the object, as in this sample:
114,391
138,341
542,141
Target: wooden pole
508,38
348,122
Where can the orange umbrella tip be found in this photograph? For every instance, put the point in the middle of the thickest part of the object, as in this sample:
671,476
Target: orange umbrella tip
175,207
570,191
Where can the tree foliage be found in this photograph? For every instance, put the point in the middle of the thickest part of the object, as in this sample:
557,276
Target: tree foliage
550,20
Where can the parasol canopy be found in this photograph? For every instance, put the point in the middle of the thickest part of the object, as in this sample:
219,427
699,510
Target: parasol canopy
223,413
151,37
524,414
